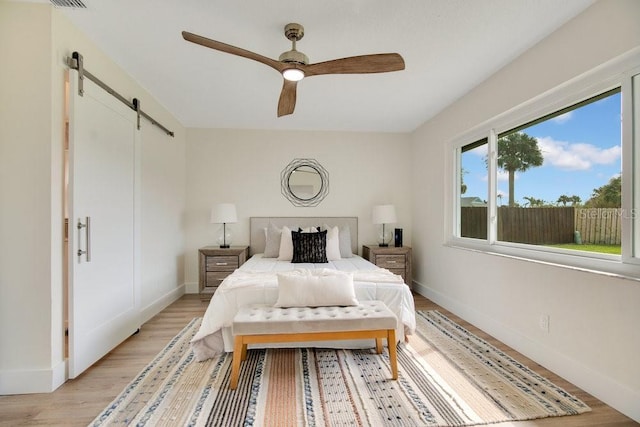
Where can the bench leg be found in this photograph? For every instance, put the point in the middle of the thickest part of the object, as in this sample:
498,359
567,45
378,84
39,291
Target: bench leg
244,352
378,345
393,355
238,347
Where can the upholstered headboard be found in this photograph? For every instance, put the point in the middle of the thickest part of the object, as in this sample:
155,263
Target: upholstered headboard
257,225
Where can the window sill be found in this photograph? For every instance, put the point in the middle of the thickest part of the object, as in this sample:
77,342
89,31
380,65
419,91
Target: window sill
601,264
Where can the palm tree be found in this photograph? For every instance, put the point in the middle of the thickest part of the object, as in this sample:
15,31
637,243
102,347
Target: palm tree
533,202
517,152
564,199
575,200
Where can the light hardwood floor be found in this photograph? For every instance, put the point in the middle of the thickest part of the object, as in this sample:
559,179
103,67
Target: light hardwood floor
78,401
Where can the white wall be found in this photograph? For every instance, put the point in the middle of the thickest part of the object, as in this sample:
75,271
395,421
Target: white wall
35,39
243,167
594,340
162,210
26,270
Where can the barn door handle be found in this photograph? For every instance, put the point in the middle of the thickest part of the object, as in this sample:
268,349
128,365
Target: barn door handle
87,234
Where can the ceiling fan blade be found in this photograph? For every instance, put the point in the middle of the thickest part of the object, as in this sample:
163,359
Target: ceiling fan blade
287,102
376,63
223,47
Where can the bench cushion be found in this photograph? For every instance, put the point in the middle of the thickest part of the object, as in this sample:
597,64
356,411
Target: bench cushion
264,319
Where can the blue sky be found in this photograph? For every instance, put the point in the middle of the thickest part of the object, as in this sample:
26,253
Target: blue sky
581,149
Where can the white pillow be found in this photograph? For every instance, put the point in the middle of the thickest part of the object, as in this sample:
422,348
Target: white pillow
315,288
345,242
272,241
286,245
333,244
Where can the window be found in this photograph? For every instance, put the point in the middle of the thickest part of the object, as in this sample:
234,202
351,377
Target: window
562,178
473,190
548,181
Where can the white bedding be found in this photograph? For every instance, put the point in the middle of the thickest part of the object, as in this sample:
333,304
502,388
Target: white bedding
255,282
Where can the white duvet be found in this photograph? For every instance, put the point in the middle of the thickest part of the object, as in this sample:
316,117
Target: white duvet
255,282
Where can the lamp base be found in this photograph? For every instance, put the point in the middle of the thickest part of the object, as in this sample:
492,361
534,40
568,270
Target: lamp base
384,238
224,238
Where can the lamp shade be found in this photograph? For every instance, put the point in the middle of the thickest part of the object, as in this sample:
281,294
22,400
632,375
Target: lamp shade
224,213
384,214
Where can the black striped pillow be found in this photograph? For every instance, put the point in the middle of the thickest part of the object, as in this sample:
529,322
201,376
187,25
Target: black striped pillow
309,247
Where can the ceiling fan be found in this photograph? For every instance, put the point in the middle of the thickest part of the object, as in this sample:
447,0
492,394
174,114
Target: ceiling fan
294,65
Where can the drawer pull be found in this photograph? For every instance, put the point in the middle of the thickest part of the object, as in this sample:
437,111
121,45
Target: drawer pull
222,263
392,262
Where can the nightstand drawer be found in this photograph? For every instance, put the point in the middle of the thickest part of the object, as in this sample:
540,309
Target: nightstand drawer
216,277
222,263
391,261
216,264
395,259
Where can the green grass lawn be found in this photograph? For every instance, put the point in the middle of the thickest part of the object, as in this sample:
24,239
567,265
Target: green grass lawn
603,249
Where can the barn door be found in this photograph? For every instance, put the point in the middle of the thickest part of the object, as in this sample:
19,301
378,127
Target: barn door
104,290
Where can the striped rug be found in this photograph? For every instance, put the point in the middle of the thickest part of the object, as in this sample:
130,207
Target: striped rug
447,377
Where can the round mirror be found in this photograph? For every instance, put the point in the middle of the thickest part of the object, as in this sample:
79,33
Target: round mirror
304,182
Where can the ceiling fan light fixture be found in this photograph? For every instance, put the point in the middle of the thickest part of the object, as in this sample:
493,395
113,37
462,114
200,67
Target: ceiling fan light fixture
293,74
294,65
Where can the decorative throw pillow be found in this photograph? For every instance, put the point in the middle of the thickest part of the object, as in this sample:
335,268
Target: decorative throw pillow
286,245
309,247
344,241
315,288
272,241
333,244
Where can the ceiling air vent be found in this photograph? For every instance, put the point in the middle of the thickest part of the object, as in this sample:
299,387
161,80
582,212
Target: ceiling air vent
69,3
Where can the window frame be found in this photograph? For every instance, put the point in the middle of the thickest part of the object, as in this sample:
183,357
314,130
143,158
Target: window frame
617,73
458,183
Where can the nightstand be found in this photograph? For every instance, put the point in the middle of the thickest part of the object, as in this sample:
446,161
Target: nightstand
216,264
396,260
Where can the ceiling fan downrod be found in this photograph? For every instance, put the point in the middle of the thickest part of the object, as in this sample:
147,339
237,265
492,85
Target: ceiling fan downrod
294,32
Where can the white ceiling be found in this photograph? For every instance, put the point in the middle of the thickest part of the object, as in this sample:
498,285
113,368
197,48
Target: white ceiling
449,47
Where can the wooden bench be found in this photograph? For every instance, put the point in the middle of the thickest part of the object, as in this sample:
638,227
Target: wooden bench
261,324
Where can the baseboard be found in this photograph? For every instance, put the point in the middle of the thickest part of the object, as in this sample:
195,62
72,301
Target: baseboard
59,374
614,394
192,288
32,380
161,303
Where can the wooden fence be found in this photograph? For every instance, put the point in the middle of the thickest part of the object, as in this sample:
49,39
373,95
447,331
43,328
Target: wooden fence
600,226
473,222
536,226
545,226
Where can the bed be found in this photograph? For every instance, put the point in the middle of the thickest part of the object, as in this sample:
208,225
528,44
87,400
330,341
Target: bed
256,281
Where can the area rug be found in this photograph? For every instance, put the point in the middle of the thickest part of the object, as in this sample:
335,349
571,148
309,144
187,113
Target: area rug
447,377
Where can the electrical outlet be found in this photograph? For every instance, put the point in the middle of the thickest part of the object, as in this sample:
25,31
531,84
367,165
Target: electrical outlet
544,322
